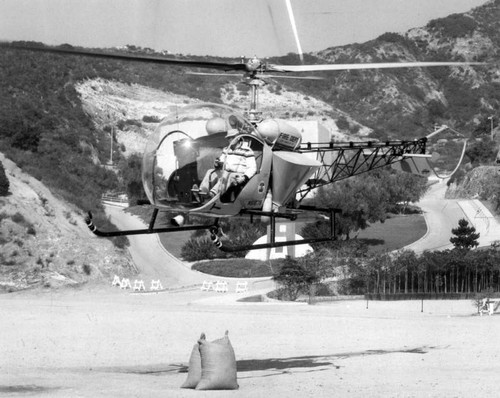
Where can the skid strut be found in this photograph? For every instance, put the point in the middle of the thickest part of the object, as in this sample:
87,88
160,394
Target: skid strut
272,238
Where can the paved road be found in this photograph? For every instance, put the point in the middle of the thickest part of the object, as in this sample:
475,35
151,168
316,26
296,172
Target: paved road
151,259
442,215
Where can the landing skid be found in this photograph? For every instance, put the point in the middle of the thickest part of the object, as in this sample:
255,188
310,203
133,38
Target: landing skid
150,230
215,230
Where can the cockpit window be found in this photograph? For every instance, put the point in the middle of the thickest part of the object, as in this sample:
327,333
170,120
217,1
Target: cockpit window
184,146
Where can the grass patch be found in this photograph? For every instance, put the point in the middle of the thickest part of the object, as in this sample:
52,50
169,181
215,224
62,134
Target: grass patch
395,233
237,267
173,242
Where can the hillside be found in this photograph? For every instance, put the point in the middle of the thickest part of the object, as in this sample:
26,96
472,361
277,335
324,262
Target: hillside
404,103
482,182
45,242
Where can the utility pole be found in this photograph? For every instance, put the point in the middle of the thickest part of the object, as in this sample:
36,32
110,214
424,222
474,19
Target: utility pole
111,150
491,128
111,133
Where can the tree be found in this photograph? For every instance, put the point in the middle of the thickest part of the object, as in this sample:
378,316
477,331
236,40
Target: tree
294,279
130,172
362,199
320,263
407,263
404,188
465,237
482,152
4,181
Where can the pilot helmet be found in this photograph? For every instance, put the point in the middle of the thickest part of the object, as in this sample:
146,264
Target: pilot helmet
216,125
232,133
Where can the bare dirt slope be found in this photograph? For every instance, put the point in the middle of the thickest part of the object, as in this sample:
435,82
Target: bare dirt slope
45,241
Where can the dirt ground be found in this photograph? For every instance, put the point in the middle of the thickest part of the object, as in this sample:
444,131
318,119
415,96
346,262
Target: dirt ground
101,341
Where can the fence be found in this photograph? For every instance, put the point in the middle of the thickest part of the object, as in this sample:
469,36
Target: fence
427,296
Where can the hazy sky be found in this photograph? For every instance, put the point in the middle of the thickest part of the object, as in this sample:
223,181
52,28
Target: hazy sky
216,27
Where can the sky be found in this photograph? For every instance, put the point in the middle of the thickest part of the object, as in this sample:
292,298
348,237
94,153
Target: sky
230,28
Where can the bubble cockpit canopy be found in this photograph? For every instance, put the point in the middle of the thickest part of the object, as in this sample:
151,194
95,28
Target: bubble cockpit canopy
183,147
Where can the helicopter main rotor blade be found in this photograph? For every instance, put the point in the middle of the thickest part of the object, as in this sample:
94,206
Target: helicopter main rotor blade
253,66
213,74
292,77
259,76
382,65
128,57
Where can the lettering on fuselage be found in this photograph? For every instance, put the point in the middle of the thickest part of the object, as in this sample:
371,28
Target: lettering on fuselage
254,203
286,140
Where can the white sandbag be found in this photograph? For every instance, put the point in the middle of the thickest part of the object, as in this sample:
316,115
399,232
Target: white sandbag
218,365
194,367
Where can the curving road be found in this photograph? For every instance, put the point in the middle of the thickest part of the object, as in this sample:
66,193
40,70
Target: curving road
442,215
150,257
156,263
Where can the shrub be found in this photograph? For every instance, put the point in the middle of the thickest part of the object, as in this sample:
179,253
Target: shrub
3,216
4,181
342,123
324,289
391,37
200,248
294,279
238,234
150,119
454,25
477,300
18,218
87,269
237,267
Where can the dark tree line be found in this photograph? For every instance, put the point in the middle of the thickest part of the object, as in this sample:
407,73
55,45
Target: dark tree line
460,270
451,271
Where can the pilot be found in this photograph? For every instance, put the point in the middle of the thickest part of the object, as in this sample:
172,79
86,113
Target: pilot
235,166
239,165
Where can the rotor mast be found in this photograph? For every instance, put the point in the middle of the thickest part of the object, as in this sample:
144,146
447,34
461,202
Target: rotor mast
254,115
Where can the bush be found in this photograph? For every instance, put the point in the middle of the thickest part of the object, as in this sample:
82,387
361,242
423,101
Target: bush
324,289
294,279
31,230
342,123
237,267
18,218
4,181
87,269
454,25
477,300
150,119
238,234
200,248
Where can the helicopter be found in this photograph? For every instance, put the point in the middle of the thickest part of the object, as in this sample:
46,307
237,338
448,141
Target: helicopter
191,139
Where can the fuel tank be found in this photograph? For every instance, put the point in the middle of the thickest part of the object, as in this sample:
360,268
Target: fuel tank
279,134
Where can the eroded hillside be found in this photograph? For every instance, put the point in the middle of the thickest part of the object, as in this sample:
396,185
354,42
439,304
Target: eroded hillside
134,110
44,241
